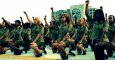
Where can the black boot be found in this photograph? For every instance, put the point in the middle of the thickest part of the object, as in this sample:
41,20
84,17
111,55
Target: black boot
11,50
38,54
79,51
17,52
84,52
64,57
71,53
109,52
2,52
45,52
106,56
54,50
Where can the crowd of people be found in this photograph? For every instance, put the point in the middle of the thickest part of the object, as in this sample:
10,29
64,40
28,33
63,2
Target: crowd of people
99,33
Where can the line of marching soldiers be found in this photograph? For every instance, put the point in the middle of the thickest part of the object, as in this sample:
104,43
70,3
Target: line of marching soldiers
98,32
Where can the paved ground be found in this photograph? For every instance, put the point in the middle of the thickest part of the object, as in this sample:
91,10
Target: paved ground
49,56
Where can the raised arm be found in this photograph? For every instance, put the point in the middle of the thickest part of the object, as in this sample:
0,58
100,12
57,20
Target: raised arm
53,16
6,23
46,23
28,18
22,21
101,7
87,9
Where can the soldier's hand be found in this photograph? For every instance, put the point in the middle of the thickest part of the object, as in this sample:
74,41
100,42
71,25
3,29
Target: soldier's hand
45,17
2,18
87,1
25,12
21,18
32,43
52,8
101,7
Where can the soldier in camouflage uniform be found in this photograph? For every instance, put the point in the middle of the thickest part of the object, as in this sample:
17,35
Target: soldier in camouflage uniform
63,40
99,35
111,35
17,38
37,35
4,35
47,39
26,34
81,32
54,31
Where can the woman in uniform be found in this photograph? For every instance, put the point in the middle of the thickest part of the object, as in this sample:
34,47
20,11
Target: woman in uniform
26,37
4,35
63,40
81,36
17,38
37,35
98,33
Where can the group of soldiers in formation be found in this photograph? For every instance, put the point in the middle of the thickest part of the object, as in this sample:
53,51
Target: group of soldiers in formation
98,32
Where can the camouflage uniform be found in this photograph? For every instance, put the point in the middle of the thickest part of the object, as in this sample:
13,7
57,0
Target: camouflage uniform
38,30
63,29
80,31
17,37
5,33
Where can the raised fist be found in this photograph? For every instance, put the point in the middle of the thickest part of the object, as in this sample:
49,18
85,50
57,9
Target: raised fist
87,1
25,12
2,18
20,17
45,17
52,8
101,7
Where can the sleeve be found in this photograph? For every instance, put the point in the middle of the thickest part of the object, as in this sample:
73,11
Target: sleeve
75,30
28,31
85,30
6,32
20,29
69,27
41,31
59,36
105,27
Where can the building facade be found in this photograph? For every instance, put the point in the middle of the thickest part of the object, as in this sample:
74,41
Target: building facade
77,12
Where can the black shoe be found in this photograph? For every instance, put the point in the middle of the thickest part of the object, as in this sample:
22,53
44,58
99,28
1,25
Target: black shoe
11,50
84,52
2,52
105,56
71,53
54,50
79,52
17,52
38,55
64,57
109,52
45,52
